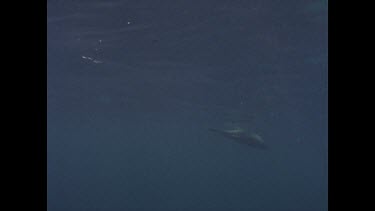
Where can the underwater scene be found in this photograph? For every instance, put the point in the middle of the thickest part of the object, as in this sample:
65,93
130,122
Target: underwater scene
177,105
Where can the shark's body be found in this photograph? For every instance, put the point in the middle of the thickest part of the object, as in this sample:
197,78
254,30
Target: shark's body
250,139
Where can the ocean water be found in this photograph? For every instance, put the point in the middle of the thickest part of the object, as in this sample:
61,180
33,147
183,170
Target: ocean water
134,86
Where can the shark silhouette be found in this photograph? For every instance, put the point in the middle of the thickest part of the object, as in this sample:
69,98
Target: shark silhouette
238,135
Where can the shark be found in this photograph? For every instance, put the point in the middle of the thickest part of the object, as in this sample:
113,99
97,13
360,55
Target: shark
242,137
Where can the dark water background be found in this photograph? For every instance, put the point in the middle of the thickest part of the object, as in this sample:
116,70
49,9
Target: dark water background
133,87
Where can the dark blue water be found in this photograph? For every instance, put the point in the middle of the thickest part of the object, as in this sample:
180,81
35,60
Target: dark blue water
133,87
